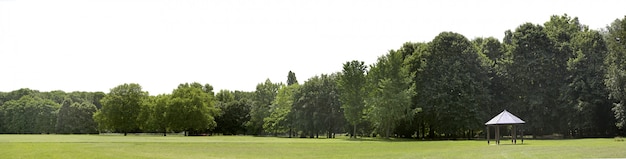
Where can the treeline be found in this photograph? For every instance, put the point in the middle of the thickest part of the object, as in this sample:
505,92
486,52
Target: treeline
560,77
27,111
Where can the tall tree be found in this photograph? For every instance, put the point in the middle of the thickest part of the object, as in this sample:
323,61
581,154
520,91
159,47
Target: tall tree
494,61
191,109
415,62
234,116
317,107
351,85
291,78
278,120
616,71
538,72
76,117
390,85
453,87
586,94
263,97
120,108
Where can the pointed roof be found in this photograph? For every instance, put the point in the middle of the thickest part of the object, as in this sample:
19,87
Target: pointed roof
505,118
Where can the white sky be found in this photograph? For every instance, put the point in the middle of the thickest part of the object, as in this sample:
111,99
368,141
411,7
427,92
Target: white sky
95,45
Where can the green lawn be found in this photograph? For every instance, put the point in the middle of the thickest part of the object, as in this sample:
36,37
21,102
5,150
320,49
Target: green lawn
100,146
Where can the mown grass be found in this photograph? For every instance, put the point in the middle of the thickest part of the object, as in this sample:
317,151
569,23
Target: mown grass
99,146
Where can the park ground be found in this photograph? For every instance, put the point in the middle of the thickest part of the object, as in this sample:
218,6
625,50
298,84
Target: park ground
148,146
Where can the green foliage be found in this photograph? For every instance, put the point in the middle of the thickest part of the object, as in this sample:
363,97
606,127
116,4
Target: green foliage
234,112
263,97
586,92
153,116
29,115
234,116
537,72
616,69
291,78
316,108
191,108
278,120
120,109
224,96
390,91
351,85
453,88
76,118
561,77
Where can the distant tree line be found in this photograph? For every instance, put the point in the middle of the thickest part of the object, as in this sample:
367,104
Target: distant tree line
560,77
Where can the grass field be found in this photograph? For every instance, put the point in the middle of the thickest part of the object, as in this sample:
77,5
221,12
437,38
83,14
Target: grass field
101,146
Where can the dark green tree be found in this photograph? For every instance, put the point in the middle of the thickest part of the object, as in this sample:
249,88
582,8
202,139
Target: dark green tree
586,93
191,109
291,78
317,108
537,72
76,118
234,116
453,87
120,109
29,115
263,97
616,69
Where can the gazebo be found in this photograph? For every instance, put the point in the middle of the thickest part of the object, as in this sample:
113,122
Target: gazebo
504,118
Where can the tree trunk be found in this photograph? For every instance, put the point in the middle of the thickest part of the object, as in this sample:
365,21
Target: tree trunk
423,126
124,133
387,130
354,132
431,132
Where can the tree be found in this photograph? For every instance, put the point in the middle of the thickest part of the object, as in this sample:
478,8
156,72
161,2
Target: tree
316,107
389,99
231,113
616,69
453,86
278,120
224,96
191,109
291,78
153,116
120,108
263,97
351,85
493,62
234,116
415,61
537,71
76,118
586,93
29,115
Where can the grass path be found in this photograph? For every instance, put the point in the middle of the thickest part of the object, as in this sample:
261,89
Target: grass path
97,146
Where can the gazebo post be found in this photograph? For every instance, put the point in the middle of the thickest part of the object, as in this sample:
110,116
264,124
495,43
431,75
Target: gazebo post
522,136
487,134
514,136
497,134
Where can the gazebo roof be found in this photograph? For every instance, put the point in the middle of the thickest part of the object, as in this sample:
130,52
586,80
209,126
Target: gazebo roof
505,118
